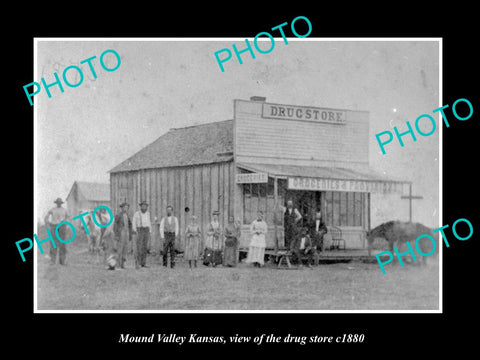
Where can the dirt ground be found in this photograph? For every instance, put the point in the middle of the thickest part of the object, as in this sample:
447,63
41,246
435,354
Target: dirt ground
85,284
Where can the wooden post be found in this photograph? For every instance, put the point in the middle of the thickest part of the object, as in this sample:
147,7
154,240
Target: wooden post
275,210
410,197
368,225
368,211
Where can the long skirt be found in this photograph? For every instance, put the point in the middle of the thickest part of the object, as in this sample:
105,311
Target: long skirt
193,248
255,255
230,254
256,250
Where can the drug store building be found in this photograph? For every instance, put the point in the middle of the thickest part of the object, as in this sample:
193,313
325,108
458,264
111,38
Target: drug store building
267,154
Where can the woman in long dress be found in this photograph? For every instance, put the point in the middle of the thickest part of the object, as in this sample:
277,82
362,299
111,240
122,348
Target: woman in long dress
232,235
256,249
213,242
193,242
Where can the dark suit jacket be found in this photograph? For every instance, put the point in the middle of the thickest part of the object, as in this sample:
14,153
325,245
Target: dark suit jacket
317,237
118,225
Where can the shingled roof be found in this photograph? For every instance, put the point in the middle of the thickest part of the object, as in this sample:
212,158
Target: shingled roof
193,145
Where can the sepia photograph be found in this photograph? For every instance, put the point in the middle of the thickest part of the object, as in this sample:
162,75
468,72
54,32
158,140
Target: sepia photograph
171,177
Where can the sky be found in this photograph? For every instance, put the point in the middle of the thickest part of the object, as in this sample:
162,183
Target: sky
85,131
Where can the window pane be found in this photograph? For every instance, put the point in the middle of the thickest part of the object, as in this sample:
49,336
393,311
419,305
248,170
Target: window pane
247,204
281,201
282,188
336,208
262,198
254,202
270,187
246,210
350,209
358,209
343,208
329,208
269,214
254,189
262,190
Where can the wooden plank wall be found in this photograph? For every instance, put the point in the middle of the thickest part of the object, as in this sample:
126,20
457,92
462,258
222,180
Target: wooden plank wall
295,142
202,188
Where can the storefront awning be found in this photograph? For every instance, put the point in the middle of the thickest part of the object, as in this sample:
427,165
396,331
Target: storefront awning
328,178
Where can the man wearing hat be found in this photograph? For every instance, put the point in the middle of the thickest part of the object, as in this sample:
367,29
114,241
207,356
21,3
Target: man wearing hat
168,233
317,230
54,217
291,221
141,226
122,228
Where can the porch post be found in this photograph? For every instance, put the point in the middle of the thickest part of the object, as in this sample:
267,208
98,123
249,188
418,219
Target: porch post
275,210
368,211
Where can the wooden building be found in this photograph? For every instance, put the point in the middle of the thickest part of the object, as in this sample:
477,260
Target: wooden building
268,153
87,196
189,167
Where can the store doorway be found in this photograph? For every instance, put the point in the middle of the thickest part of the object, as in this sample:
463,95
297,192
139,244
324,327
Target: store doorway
307,202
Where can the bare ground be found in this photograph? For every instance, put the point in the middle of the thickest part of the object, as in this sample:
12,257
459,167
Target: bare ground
85,284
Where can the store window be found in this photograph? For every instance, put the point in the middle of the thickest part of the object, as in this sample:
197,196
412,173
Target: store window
260,197
344,208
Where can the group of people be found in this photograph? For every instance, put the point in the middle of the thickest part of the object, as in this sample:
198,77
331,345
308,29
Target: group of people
140,226
220,247
302,239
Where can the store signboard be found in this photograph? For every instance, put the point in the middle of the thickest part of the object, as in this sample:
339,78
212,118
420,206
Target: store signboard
322,184
251,178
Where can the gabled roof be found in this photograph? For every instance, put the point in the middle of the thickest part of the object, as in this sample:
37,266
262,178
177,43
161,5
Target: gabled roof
193,145
92,191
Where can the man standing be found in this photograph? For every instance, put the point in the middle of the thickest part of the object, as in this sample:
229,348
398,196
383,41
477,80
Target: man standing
168,233
141,226
291,217
122,228
54,217
317,230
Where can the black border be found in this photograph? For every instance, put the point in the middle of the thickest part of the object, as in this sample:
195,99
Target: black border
385,333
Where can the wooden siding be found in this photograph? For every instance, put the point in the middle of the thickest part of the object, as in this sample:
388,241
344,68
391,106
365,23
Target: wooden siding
295,142
76,203
201,188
